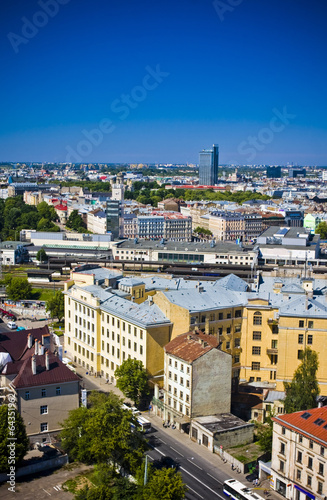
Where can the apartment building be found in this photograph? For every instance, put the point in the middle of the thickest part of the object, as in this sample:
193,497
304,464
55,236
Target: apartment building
227,226
130,226
97,221
45,388
197,378
103,328
299,454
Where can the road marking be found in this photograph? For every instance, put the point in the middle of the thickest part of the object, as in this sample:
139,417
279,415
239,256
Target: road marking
176,451
203,484
194,464
164,442
150,457
214,478
189,487
46,492
159,451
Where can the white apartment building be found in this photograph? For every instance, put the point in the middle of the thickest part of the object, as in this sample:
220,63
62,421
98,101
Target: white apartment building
299,454
197,378
97,221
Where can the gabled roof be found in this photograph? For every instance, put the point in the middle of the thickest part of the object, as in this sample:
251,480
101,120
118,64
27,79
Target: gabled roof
15,343
58,372
232,282
191,346
303,306
311,423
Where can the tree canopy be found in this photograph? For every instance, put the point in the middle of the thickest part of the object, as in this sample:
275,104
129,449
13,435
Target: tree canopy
76,222
56,305
132,379
18,288
9,415
322,230
302,392
41,255
104,433
265,434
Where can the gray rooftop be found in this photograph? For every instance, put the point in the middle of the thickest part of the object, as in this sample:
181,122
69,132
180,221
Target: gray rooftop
221,422
178,246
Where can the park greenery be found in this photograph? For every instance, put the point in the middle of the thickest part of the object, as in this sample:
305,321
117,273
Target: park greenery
16,215
302,392
56,305
152,193
132,380
201,231
76,222
322,230
17,288
107,436
265,434
21,439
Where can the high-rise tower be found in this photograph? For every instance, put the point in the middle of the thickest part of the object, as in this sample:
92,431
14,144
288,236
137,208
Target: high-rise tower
208,167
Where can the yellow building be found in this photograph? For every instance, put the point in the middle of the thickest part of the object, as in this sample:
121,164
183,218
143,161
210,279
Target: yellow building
102,329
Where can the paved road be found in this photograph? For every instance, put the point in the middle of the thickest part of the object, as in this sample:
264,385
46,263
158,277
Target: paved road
203,479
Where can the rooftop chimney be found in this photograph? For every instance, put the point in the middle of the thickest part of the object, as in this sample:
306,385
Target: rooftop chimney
47,363
41,348
29,340
33,365
36,347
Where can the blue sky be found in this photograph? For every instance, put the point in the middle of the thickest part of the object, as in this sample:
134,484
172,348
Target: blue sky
249,75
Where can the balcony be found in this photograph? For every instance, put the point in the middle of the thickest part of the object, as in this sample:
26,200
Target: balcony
272,350
272,321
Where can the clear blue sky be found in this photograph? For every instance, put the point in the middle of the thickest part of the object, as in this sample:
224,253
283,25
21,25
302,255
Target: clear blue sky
229,71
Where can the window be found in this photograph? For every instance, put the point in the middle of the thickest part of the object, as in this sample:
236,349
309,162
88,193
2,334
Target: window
205,440
299,457
27,395
281,465
44,427
58,391
228,330
43,409
238,314
300,338
301,323
43,393
299,354
256,350
310,444
309,481
319,489
310,461
175,377
310,324
237,342
227,345
283,431
255,366
282,448
310,339
169,375
321,469
322,451
256,336
182,381
257,318
274,344
220,316
298,474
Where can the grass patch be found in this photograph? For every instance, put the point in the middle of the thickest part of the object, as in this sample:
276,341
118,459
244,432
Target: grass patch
245,453
41,294
79,482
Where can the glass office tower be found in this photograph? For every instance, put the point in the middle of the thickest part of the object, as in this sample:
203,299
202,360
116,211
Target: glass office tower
208,168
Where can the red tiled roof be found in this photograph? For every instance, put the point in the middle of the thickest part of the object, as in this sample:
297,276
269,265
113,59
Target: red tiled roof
307,423
61,207
57,373
190,346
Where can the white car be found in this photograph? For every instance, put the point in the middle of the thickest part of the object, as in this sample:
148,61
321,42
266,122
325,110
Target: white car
12,325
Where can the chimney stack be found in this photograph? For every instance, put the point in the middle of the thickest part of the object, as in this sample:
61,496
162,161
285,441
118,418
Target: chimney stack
36,347
29,340
33,365
47,363
41,348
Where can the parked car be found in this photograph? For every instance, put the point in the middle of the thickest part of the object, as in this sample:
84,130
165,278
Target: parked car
12,325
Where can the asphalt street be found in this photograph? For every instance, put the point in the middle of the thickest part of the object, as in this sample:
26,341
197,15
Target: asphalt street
203,479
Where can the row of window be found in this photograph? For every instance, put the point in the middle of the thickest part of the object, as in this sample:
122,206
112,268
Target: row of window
43,393
82,309
299,478
83,351
257,320
178,365
181,394
86,338
173,403
117,350
181,379
84,323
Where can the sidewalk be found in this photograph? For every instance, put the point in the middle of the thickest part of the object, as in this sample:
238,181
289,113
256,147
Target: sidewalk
213,459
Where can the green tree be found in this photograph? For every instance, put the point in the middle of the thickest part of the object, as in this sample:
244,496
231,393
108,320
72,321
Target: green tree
132,379
104,433
8,416
75,221
322,230
47,211
265,434
41,255
166,484
202,230
302,392
18,289
56,305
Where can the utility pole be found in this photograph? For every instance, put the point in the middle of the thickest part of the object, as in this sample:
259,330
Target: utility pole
146,470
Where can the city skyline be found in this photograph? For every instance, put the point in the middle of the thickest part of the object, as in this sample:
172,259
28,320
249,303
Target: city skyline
145,83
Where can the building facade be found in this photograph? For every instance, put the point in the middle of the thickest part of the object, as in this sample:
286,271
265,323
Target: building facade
208,166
